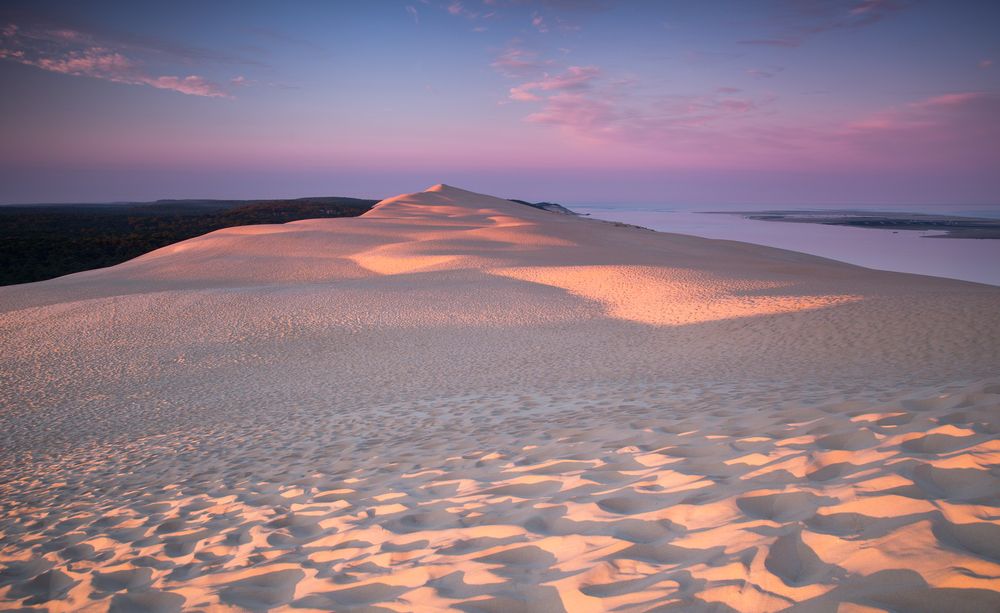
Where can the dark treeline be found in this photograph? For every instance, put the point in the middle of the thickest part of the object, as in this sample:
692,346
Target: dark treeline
45,241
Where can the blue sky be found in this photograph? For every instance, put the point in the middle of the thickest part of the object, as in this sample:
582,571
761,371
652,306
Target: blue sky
813,102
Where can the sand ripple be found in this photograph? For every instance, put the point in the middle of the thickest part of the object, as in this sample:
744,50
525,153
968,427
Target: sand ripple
555,518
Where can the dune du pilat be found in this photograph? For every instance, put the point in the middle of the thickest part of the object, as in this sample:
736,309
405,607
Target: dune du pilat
459,402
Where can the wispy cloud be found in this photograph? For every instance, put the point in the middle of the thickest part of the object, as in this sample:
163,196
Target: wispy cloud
459,9
622,116
73,52
45,24
933,111
584,102
948,128
801,19
592,116
543,16
413,13
575,77
191,85
516,61
538,22
763,73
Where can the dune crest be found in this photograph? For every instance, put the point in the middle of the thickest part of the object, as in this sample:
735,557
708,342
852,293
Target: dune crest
459,402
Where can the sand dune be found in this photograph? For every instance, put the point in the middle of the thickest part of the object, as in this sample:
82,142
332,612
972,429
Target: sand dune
456,402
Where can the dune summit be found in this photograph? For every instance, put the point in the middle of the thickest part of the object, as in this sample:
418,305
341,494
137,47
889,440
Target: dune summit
458,402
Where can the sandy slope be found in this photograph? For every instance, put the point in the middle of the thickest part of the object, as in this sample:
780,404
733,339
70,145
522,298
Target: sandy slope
458,402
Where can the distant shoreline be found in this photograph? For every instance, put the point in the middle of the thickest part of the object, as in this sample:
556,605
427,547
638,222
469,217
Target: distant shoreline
951,226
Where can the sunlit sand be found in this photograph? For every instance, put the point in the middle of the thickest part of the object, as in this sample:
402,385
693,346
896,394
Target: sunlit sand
457,402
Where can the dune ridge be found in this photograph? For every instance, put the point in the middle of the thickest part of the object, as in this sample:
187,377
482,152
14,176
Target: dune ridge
457,402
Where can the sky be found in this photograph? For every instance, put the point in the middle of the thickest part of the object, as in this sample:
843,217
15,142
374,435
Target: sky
576,101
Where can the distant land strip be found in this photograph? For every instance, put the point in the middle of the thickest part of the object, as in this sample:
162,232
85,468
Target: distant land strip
950,226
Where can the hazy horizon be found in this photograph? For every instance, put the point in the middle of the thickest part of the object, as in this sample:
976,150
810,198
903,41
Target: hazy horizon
985,208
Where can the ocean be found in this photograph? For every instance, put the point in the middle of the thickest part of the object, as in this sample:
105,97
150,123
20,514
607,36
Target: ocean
910,251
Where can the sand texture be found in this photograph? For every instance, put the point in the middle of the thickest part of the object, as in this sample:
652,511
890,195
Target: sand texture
456,402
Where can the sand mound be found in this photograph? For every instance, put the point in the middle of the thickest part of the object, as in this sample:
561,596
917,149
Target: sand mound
456,402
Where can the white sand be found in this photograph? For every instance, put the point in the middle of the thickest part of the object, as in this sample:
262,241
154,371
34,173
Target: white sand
459,402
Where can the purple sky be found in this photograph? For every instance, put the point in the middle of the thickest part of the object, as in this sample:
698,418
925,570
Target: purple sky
781,102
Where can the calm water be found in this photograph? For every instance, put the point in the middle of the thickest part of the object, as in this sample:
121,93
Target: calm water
904,251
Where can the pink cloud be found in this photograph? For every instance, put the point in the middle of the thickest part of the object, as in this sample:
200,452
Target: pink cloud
801,20
582,102
519,94
933,111
985,63
736,106
958,99
948,129
575,77
516,61
580,113
68,35
91,62
617,114
695,111
458,9
761,73
76,53
538,22
191,85
726,126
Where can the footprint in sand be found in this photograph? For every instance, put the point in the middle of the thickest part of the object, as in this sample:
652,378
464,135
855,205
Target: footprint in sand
119,580
263,591
630,504
351,598
782,507
965,484
50,585
832,471
665,553
17,571
149,601
980,538
849,441
937,443
795,563
528,555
